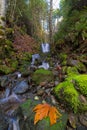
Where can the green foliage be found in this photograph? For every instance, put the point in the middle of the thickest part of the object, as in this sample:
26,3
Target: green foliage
63,57
5,69
74,24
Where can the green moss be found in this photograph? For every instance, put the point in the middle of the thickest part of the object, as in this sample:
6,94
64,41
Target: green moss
66,92
63,57
69,90
5,69
2,32
14,64
71,71
81,83
80,66
42,75
9,30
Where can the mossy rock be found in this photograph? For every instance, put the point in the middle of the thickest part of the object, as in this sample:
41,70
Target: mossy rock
44,124
63,58
68,92
80,66
72,71
81,83
42,75
5,69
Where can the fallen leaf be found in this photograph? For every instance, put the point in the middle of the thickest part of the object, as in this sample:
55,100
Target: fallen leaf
44,110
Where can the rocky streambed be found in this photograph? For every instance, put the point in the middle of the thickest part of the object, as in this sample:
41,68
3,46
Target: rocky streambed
21,92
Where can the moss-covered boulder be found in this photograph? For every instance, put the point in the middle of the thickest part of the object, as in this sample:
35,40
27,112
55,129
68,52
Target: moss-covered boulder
67,94
42,75
28,123
5,69
70,90
81,83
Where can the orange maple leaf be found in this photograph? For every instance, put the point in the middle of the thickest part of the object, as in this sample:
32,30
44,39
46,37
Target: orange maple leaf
44,110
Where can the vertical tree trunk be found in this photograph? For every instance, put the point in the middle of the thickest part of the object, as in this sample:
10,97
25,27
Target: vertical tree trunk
2,12
50,22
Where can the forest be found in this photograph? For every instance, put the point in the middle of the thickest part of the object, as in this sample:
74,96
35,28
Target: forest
43,65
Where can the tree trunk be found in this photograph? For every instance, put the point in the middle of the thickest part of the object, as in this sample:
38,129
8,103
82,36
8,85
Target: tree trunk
50,22
2,12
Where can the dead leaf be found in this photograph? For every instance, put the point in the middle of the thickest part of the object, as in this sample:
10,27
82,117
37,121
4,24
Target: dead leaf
44,110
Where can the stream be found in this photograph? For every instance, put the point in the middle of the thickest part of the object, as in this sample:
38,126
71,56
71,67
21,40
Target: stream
18,88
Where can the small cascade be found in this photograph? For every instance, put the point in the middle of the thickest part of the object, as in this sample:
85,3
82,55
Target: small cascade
19,75
10,99
14,124
35,57
7,92
44,65
45,47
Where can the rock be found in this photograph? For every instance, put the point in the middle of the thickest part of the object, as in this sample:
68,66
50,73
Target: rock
36,98
72,120
83,119
81,128
70,91
40,92
28,122
3,122
79,65
4,81
43,83
42,75
21,87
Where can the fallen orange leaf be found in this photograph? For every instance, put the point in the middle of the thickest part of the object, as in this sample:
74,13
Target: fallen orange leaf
44,110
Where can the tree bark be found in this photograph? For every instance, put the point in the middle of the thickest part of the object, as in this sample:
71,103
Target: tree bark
2,12
50,22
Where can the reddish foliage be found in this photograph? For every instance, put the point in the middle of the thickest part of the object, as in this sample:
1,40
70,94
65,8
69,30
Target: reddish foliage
24,42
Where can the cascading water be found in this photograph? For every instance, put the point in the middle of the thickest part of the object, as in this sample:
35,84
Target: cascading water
35,57
6,104
45,48
14,124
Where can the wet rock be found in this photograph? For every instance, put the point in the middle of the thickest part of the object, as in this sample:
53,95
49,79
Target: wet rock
3,122
21,87
43,83
81,128
72,120
4,81
40,92
42,75
83,99
28,122
56,83
83,119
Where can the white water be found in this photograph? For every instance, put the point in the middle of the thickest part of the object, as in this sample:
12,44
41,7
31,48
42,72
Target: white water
12,98
45,47
14,124
35,57
44,65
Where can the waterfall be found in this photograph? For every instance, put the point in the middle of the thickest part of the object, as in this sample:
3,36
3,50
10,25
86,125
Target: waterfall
35,57
14,124
45,47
